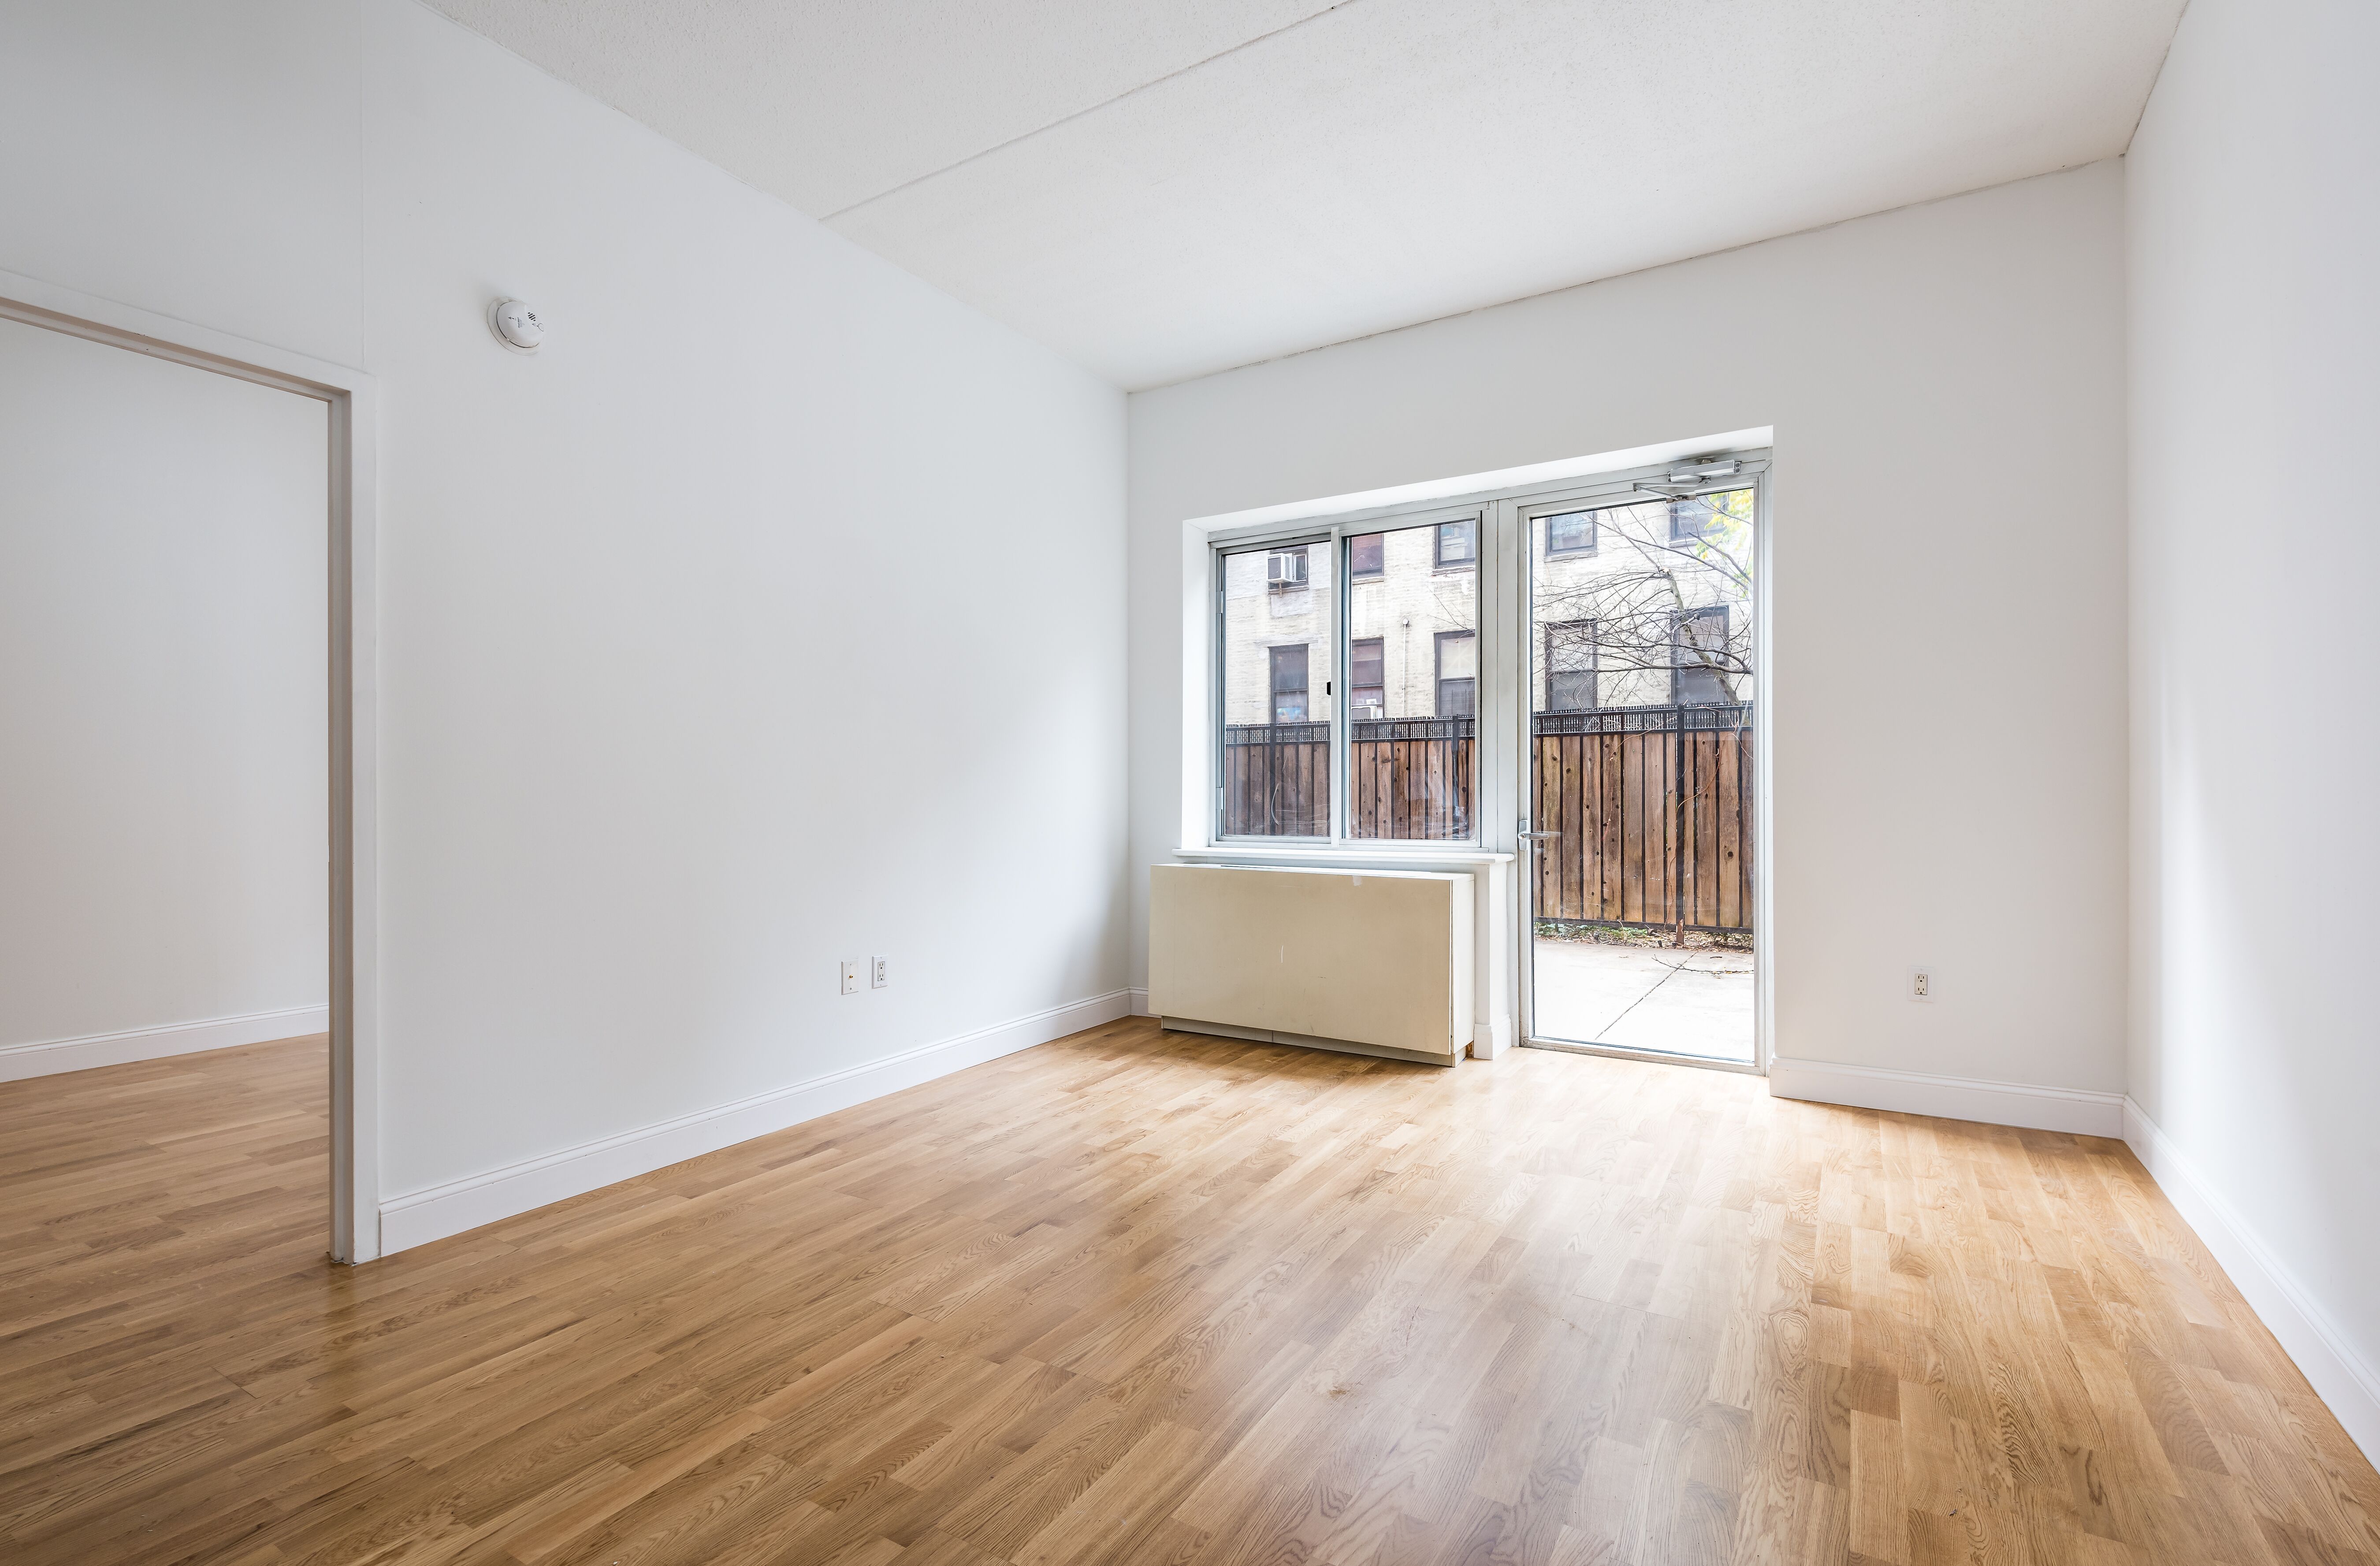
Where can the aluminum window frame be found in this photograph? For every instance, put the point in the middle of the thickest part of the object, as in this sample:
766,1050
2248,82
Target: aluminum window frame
1337,532
1752,470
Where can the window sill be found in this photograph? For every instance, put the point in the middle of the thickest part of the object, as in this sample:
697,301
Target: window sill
1414,858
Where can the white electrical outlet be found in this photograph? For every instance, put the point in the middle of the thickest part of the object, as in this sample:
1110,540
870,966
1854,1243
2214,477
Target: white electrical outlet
879,973
851,979
1920,984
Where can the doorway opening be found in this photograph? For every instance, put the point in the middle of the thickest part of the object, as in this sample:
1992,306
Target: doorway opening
335,661
1641,771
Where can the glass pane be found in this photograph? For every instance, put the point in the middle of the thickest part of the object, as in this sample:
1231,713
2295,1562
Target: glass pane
1414,666
1640,765
1280,638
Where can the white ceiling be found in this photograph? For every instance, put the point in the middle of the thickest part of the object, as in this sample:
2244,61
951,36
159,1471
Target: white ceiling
1159,190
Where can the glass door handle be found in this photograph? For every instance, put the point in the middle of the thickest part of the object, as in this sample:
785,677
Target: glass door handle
1534,836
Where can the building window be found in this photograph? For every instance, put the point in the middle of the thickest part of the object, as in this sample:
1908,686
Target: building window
1698,657
1364,556
1289,684
1570,532
1368,688
1458,545
1570,666
1689,518
1458,673
1285,570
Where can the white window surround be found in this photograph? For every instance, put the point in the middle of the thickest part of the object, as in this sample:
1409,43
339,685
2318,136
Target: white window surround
1503,567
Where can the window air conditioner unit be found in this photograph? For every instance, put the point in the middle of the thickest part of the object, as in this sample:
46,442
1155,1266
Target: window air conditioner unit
1286,570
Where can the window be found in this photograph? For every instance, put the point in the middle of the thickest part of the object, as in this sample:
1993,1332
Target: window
1458,545
1413,681
1368,689
1289,684
1277,652
1571,532
1570,666
1613,627
1458,675
1698,657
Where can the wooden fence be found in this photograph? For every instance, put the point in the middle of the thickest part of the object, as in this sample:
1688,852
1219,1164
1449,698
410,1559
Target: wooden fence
1410,778
1652,803
1653,806
1277,780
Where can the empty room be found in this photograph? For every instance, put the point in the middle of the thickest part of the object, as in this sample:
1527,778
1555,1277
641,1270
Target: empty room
1396,783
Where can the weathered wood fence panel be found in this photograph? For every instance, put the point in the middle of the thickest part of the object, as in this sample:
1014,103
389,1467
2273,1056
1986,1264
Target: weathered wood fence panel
1277,780
1652,803
1411,778
1655,810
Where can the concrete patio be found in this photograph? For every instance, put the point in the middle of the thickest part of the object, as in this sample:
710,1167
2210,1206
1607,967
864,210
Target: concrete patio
1689,1001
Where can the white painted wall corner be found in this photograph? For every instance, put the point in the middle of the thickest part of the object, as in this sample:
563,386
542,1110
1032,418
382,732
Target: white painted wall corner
1139,1003
50,1057
2339,1376
422,1216
1951,1097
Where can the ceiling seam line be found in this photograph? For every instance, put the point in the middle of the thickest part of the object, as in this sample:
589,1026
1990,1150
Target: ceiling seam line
1092,109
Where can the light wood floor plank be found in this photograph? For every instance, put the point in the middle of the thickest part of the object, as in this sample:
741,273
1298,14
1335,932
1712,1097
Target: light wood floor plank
1143,1297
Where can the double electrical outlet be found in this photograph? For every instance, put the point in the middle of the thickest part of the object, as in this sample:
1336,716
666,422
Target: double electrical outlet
879,974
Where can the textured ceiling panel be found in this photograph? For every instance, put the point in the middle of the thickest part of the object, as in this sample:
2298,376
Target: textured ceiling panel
825,104
1159,192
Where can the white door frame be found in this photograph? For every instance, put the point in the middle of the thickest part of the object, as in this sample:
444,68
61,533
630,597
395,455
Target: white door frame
352,635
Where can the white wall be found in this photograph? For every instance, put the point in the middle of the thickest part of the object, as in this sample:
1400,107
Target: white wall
163,815
197,160
2255,223
627,828
1946,383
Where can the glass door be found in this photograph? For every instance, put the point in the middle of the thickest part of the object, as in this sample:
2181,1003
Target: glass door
1639,778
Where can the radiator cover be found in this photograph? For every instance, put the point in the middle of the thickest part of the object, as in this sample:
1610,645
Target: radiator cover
1377,962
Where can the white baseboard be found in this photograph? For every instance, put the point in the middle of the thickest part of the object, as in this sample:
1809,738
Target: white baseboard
2340,1376
18,1062
1496,1042
1952,1097
1139,1003
419,1217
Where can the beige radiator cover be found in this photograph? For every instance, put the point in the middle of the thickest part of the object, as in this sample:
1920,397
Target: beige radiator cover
1378,961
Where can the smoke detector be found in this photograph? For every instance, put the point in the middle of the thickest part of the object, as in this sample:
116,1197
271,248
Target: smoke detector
516,326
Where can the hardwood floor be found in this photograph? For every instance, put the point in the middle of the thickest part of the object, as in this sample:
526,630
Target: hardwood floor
1139,1297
